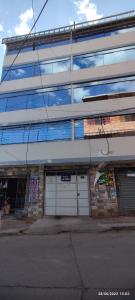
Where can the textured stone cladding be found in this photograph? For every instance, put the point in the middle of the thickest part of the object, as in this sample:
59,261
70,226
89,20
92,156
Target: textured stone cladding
35,209
103,197
32,209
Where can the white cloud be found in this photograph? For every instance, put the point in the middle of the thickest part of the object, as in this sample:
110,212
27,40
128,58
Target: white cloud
86,10
1,27
2,47
9,32
23,26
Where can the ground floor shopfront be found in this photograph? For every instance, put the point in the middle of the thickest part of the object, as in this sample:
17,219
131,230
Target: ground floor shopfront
68,190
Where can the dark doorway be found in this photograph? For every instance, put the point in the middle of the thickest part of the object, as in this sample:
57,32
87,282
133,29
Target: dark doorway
13,190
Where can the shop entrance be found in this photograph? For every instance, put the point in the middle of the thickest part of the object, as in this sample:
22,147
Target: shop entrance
126,191
12,192
67,193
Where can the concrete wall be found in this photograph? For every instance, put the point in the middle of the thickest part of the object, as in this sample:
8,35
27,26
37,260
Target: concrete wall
103,198
99,44
81,151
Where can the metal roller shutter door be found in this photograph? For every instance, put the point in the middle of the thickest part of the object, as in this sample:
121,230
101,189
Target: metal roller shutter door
126,194
69,198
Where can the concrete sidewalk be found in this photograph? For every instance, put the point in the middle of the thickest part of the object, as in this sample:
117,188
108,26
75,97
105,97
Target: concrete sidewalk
12,226
56,225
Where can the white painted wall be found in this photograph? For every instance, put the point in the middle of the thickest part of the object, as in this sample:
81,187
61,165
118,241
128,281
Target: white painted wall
81,151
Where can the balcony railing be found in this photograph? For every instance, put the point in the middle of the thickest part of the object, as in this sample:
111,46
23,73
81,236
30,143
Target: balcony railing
69,28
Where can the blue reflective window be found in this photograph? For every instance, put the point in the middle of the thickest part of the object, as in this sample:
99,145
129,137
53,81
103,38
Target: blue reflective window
5,75
16,103
130,54
59,97
104,58
53,44
32,133
36,132
61,66
1,132
115,57
87,61
46,68
35,69
42,133
15,50
101,89
82,38
36,100
59,131
21,72
3,104
12,135
79,129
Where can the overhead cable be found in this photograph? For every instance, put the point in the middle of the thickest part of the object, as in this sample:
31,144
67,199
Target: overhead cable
25,39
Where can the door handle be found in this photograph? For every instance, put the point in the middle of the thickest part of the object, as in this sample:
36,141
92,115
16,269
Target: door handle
78,194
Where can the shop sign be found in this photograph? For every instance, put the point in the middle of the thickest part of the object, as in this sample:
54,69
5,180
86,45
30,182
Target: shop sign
130,173
65,177
105,178
34,189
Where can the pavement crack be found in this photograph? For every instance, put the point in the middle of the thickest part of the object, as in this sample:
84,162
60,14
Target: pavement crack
77,267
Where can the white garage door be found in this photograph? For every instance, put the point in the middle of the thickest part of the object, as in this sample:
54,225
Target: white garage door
67,194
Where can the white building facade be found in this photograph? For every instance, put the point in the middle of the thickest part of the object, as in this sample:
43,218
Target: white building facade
67,120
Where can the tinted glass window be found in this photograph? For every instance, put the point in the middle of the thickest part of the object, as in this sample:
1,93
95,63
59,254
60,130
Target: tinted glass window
59,131
87,61
36,100
61,66
12,135
104,58
35,69
59,97
3,104
79,129
16,103
101,89
36,132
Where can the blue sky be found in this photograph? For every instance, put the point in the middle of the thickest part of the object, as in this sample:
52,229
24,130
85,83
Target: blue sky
16,16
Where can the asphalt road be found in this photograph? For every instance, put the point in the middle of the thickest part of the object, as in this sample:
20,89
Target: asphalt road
68,266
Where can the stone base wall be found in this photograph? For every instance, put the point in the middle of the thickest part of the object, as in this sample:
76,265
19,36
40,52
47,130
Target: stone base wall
103,197
36,209
31,209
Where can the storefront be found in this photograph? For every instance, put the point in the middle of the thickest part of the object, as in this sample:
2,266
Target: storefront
67,193
125,179
12,194
22,191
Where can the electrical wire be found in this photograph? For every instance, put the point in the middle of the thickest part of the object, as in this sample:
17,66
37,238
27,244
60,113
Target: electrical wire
26,37
27,146
41,79
107,141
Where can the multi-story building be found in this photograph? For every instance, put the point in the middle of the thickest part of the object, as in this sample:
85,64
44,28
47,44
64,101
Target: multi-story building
67,120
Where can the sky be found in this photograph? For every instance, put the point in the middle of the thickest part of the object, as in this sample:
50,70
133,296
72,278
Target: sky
16,16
